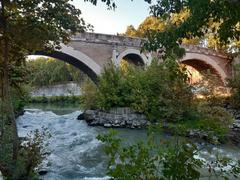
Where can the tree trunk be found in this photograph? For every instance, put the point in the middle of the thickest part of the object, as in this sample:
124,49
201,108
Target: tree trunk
9,142
8,107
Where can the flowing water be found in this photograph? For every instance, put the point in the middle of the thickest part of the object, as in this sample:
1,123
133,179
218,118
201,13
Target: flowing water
75,153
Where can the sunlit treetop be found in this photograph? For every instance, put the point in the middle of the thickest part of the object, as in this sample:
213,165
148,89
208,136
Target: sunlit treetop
225,13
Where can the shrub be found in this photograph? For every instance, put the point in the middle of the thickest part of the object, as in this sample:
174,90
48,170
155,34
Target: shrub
210,89
31,154
151,161
160,91
89,95
163,91
234,84
113,89
215,119
19,96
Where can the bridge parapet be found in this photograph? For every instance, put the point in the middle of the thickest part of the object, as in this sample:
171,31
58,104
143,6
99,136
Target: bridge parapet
108,39
118,40
206,51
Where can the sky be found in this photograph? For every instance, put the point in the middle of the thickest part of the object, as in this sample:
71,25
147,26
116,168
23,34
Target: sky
113,21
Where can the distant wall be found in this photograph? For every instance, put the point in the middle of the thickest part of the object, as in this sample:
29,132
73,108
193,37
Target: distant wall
67,89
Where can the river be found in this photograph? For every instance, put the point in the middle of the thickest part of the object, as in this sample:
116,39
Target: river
75,153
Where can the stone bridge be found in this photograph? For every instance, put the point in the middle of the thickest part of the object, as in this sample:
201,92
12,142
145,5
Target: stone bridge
90,52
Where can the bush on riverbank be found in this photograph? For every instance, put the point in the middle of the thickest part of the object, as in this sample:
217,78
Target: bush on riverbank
234,84
160,91
89,95
212,125
19,98
31,154
173,161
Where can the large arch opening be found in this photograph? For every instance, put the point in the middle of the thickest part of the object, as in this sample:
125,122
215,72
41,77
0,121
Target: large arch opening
77,59
63,72
196,68
202,63
72,61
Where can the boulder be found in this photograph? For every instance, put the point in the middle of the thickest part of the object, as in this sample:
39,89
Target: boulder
81,116
115,117
42,172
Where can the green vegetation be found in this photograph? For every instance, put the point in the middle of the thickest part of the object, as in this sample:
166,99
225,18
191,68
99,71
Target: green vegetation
234,84
19,98
151,161
211,123
31,154
160,91
153,23
49,71
224,14
26,27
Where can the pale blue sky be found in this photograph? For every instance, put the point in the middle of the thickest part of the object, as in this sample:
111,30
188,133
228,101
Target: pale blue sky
112,22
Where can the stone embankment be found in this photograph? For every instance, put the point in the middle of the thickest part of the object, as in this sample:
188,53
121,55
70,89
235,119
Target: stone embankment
127,118
67,89
116,117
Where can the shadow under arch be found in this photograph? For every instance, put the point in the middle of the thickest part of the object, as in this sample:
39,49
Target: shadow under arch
202,62
77,59
132,55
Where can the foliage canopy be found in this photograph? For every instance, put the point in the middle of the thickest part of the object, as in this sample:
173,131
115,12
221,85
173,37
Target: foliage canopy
226,13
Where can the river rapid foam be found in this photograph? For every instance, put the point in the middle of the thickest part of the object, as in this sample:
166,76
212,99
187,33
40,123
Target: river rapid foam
75,153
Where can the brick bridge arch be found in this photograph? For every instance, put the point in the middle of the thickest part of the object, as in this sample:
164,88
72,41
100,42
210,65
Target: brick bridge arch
202,59
90,52
77,59
202,62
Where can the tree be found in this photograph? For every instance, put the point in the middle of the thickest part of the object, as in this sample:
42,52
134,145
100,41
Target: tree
224,12
131,31
49,71
152,23
27,26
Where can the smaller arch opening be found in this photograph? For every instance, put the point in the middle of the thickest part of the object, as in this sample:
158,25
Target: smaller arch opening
133,59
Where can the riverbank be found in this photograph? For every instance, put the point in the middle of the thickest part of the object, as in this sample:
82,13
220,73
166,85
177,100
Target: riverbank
126,118
55,99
